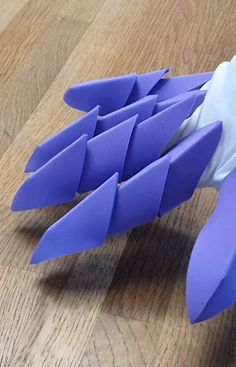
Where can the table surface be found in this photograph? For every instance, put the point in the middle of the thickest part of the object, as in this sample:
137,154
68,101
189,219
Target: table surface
124,304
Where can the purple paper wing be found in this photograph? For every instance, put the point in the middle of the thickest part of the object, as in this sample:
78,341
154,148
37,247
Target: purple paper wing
211,279
110,94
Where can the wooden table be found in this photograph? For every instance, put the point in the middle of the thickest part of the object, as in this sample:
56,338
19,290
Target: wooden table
124,304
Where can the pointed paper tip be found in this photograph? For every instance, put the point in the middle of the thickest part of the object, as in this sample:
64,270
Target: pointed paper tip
45,151
83,228
54,183
110,94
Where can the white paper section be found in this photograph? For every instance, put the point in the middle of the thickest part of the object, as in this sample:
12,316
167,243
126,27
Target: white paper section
219,105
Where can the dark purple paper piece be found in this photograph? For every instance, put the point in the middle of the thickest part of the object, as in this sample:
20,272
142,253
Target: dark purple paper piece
188,161
211,285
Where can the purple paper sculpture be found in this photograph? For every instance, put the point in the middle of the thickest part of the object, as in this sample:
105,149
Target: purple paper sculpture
144,145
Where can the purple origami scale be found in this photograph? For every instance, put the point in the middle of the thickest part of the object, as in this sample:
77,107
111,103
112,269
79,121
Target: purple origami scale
121,90
211,285
114,93
91,124
125,148
136,201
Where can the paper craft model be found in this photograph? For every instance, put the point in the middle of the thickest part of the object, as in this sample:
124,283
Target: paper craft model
144,145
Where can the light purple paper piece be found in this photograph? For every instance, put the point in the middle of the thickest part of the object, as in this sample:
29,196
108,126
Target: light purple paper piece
211,285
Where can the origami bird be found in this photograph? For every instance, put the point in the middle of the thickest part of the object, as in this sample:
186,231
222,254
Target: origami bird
145,144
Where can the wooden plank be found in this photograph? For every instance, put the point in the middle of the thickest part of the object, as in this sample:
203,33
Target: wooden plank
47,320
25,87
9,9
117,341
63,302
31,58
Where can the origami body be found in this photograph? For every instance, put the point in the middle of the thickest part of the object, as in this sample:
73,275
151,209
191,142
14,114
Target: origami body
146,142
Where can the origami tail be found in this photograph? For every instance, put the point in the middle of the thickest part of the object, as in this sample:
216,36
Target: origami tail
126,148
114,93
211,285
113,209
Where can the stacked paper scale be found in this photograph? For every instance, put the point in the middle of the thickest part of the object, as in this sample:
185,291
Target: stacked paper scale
142,147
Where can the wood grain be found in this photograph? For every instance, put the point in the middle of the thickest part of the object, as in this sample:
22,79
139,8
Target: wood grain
9,10
123,304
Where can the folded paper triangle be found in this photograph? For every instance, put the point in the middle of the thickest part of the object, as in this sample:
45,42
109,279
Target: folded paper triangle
52,146
138,199
106,155
142,108
83,228
110,94
152,136
55,182
189,159
145,83
170,87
